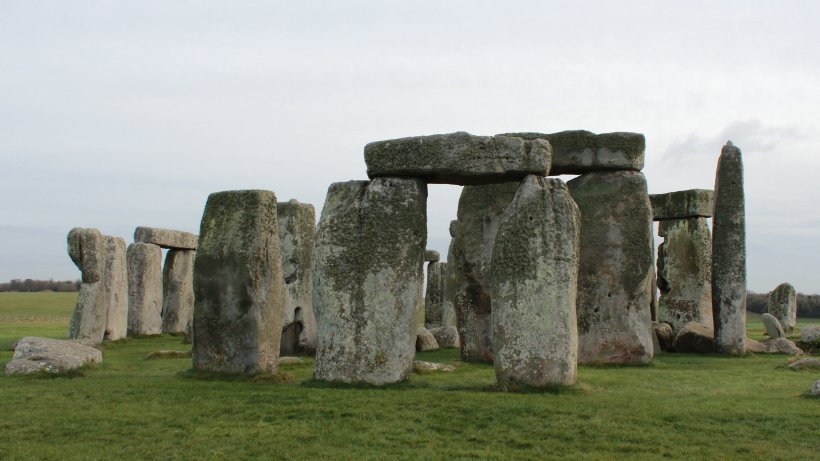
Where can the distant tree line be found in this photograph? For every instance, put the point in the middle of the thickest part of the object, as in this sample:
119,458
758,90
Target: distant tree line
807,305
29,285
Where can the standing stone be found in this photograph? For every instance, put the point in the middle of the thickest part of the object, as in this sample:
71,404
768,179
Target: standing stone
534,274
448,312
434,298
144,289
783,306
729,254
116,288
297,228
616,268
86,248
773,328
479,214
367,270
178,290
685,272
238,286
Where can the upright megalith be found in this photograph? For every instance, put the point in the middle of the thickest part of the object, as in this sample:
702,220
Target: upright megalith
534,275
87,249
479,215
458,158
177,290
434,297
782,304
367,270
115,282
729,254
616,267
144,289
238,285
297,228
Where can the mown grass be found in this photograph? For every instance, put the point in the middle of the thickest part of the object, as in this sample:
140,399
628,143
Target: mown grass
680,407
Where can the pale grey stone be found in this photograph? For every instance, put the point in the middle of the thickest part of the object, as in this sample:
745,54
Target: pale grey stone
87,249
458,158
729,254
534,277
685,272
238,285
421,366
448,311
695,338
434,297
773,327
166,238
692,203
782,346
431,256
115,283
616,268
446,337
177,290
815,388
367,271
810,335
755,346
479,214
579,151
782,304
425,341
807,363
665,337
33,355
297,229
144,289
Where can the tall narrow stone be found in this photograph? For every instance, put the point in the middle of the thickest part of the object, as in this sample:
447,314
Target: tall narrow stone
616,268
729,254
297,229
238,285
783,306
177,290
144,289
479,214
685,273
116,288
86,248
434,298
367,270
534,281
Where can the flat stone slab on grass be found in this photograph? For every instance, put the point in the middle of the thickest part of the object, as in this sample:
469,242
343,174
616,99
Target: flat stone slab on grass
420,366
806,363
693,203
579,151
458,158
166,238
34,355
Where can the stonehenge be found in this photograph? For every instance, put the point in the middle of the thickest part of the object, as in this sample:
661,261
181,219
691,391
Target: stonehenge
116,288
144,289
87,249
177,290
434,315
782,304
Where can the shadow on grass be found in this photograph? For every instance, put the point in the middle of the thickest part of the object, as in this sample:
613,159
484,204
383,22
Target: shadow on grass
200,375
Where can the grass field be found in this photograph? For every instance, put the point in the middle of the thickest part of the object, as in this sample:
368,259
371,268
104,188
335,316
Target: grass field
681,407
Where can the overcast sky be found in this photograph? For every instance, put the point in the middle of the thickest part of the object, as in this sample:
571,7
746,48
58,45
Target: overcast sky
120,114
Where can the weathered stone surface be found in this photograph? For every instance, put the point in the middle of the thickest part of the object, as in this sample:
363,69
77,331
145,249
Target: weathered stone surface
144,289
115,285
534,277
695,338
434,298
665,336
755,346
446,337
33,355
783,306
810,335
238,285
177,290
685,272
579,151
297,229
166,238
782,346
729,254
432,256
458,158
367,270
420,366
425,341
807,363
692,203
773,328
448,311
479,214
87,250
616,269
815,389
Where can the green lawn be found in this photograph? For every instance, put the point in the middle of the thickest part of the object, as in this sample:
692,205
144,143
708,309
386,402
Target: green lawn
681,407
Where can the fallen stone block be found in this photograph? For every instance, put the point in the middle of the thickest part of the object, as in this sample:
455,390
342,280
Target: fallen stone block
695,338
810,335
425,341
420,366
806,363
34,355
446,337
